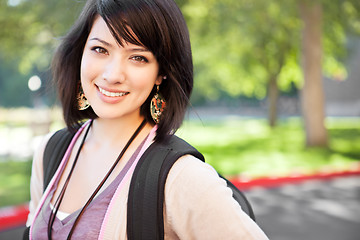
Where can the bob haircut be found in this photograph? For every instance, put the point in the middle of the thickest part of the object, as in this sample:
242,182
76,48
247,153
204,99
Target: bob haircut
159,26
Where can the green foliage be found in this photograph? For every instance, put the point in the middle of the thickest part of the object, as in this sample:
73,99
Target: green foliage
30,28
240,45
11,83
29,34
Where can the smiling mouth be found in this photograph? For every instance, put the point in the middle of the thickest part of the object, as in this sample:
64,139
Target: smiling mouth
112,94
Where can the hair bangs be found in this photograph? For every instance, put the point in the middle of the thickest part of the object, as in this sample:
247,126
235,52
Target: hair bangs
119,17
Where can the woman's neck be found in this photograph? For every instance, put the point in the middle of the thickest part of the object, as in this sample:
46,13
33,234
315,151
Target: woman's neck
116,131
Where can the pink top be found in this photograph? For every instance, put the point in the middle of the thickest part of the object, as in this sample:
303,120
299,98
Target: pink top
90,223
89,226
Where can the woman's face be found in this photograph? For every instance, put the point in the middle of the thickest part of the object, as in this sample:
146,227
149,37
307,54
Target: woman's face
116,80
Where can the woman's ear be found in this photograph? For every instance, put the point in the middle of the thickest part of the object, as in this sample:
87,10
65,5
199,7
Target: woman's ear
160,79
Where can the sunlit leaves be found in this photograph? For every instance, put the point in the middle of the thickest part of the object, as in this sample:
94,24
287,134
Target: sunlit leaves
239,45
291,73
333,69
29,30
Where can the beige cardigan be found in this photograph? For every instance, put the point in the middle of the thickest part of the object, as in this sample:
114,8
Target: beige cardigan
198,205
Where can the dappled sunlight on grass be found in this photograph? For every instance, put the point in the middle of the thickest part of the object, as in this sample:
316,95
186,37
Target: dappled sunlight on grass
346,141
250,147
224,133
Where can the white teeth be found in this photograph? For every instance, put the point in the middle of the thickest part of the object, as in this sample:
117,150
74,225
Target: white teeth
112,94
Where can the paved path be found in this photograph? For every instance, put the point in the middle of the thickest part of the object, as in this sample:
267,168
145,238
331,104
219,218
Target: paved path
311,210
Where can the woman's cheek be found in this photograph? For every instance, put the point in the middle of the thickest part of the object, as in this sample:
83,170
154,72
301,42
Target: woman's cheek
88,69
83,66
144,77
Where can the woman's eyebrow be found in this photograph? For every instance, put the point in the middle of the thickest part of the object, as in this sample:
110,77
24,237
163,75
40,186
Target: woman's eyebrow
140,49
100,40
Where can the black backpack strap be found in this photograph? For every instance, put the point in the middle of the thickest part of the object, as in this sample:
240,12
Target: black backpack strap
26,233
146,194
54,152
241,199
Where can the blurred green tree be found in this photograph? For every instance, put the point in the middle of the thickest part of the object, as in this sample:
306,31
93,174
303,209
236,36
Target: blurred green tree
255,48
247,48
30,30
29,33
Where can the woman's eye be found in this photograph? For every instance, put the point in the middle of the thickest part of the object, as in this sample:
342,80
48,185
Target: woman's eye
140,59
99,50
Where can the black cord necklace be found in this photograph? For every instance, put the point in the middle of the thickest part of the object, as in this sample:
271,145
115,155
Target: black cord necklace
62,193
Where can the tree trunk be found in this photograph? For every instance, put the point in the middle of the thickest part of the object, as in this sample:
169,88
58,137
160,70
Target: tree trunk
312,93
273,99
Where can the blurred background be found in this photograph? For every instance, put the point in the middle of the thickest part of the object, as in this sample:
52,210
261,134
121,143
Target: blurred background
277,95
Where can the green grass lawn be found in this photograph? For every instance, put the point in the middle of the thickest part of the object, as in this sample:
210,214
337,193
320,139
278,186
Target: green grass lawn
237,147
250,147
14,182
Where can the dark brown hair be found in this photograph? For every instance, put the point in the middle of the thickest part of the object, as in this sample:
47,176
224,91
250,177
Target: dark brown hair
157,25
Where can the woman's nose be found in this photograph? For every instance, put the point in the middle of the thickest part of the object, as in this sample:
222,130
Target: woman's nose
114,71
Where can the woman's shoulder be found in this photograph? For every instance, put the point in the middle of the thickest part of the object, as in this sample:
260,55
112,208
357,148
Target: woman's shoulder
40,148
198,203
41,145
37,174
190,171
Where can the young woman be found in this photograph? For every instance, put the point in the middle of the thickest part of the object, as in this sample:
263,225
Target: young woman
126,65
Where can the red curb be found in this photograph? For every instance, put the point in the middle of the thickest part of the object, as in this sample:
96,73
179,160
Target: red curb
267,182
13,216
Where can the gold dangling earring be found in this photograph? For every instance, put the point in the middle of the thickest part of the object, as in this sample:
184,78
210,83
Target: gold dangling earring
82,100
157,105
